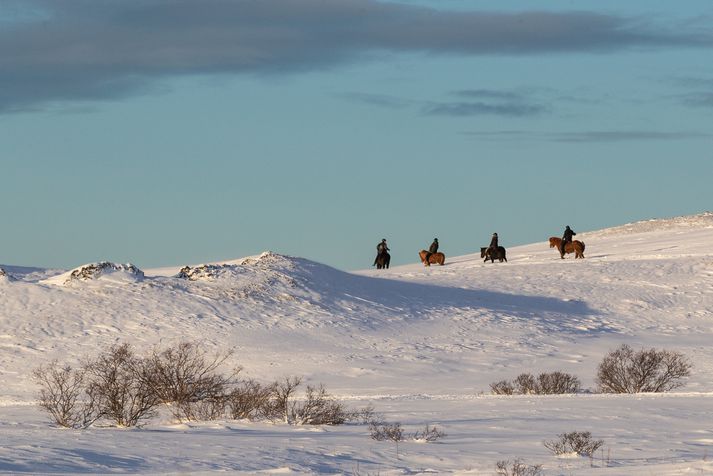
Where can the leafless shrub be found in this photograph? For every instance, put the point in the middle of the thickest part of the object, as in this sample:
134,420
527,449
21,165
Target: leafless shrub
557,383
283,393
517,468
647,370
577,442
365,415
383,431
250,400
186,378
429,434
545,384
112,382
525,384
207,409
62,395
502,387
318,408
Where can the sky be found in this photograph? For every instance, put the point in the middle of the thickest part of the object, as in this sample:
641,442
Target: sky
169,132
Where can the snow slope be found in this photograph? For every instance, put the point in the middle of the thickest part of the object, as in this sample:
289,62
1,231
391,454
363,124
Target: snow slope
421,344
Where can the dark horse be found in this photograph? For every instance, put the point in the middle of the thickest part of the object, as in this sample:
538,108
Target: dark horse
383,260
489,255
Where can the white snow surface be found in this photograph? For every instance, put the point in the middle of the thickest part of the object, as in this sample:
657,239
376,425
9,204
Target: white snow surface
420,344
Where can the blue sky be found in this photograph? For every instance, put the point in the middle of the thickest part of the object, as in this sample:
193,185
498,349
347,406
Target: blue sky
179,132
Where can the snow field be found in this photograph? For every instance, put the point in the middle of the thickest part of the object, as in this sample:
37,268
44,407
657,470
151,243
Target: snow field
421,344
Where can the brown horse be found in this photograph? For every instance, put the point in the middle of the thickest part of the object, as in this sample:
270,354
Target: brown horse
435,258
576,247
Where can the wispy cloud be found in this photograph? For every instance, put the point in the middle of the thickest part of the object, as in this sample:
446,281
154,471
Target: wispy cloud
518,109
587,136
381,100
698,99
72,50
489,94
699,94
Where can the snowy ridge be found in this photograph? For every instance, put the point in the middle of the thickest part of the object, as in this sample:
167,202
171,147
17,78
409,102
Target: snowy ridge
702,220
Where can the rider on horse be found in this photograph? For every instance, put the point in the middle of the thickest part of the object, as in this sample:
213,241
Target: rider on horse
381,248
566,238
431,250
493,248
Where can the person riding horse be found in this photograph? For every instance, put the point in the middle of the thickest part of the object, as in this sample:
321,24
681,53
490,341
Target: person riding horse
493,248
432,249
381,248
566,238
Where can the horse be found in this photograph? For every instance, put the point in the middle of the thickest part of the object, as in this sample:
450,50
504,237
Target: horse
435,258
487,254
383,260
576,246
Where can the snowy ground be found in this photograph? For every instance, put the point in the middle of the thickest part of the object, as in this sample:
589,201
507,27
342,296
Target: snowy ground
421,344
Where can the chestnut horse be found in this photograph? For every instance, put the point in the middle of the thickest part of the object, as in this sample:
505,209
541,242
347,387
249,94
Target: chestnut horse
489,255
576,247
435,258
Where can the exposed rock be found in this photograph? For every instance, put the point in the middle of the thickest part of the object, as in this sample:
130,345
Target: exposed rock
204,271
95,270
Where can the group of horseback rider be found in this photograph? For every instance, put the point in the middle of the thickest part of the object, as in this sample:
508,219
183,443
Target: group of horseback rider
382,248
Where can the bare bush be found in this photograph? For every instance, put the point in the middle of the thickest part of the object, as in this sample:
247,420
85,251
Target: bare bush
577,442
63,395
207,409
429,434
517,468
250,400
525,384
382,431
318,408
502,387
545,384
126,389
280,404
186,378
557,383
647,370
365,415
112,383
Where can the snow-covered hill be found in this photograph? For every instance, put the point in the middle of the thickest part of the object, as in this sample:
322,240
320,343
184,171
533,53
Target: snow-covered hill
421,343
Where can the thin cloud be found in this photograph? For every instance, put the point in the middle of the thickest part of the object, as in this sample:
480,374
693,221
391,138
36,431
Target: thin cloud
625,136
381,100
588,136
88,50
700,99
700,93
488,94
481,108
